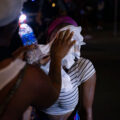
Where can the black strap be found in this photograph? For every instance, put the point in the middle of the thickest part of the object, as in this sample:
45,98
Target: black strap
12,91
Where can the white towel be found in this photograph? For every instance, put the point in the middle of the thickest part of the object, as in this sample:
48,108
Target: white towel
68,60
66,83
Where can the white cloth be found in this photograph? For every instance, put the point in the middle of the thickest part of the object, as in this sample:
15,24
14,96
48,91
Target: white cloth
8,73
10,10
33,56
68,60
66,84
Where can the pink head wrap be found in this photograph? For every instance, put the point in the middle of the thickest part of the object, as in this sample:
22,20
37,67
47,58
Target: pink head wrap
60,20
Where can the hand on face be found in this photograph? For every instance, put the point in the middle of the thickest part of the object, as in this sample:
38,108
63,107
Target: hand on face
62,44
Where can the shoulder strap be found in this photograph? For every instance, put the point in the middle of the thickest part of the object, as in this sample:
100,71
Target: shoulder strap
12,91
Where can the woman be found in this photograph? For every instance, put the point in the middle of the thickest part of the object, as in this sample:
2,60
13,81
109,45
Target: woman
22,85
82,79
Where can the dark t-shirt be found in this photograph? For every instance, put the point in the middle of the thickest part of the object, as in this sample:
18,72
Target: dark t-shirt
6,52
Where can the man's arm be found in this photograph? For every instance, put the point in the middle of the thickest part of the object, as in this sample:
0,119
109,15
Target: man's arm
87,90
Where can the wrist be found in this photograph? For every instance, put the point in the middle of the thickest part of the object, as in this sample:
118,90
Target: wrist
56,59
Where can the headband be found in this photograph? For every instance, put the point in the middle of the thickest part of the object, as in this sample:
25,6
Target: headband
60,20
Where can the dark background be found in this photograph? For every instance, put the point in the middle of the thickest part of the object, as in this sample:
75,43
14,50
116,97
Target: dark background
32,6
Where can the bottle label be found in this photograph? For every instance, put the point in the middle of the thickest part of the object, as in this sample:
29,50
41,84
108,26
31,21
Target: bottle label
29,39
27,35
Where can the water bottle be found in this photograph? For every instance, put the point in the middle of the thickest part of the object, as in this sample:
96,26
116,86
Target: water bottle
28,38
27,35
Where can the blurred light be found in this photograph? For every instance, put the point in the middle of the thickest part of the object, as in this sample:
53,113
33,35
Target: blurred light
53,4
23,26
33,0
22,18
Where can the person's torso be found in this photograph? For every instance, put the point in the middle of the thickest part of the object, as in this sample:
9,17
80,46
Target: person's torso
80,72
67,100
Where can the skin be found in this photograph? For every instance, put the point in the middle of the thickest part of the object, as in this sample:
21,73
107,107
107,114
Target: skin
86,91
36,88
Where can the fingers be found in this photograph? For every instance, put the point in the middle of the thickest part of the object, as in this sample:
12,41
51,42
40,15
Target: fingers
72,43
31,47
66,35
56,39
23,49
70,37
60,36
27,48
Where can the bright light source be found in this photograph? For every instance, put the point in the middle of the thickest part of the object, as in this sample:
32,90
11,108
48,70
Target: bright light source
53,4
22,18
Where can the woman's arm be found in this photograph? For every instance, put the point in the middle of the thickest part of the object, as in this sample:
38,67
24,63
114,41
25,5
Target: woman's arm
57,53
87,90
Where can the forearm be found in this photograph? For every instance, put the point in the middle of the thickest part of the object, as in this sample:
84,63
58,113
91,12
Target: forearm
87,90
86,114
55,73
59,49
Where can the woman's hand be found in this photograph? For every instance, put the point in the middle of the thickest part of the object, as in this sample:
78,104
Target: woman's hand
62,44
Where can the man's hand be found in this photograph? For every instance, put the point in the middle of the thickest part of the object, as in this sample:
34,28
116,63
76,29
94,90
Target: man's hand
20,52
62,44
